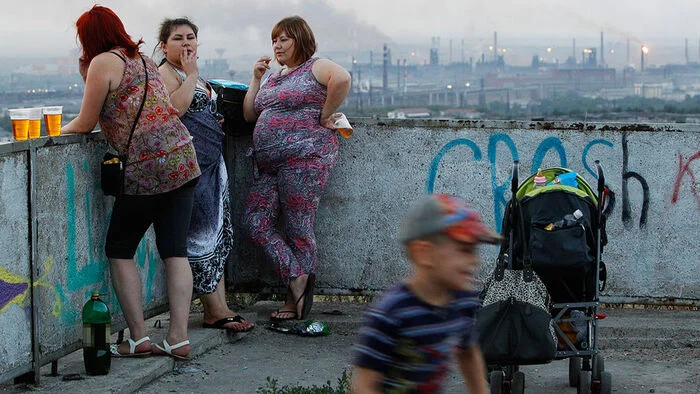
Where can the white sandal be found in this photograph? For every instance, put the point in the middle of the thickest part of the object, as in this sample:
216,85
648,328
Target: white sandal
168,350
114,348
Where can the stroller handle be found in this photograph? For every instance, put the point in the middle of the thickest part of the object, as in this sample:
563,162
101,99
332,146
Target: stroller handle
601,177
514,180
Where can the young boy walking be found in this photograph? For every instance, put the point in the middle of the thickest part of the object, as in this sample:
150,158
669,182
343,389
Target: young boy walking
415,328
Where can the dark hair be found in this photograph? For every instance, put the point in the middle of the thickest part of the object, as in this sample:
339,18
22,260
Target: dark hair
169,24
297,28
166,28
100,30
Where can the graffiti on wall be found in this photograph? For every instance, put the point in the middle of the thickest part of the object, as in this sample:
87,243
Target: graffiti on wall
500,190
626,175
684,170
14,289
87,273
84,272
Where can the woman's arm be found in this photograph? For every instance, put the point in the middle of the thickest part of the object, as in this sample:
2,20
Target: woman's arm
259,69
104,73
337,81
181,92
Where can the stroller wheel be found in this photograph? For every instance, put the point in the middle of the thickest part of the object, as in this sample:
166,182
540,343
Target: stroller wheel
574,370
517,384
496,382
598,366
605,383
584,383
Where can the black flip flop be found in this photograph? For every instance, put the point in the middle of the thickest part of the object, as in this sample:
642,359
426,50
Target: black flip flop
220,324
308,296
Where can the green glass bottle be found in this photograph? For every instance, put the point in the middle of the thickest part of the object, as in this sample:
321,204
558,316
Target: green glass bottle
96,336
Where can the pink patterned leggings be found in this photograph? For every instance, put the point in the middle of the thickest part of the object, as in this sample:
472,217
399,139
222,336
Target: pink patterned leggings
293,193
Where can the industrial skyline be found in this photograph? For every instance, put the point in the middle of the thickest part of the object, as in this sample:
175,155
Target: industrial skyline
242,27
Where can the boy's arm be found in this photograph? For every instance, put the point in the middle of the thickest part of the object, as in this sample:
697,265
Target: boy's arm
366,381
473,368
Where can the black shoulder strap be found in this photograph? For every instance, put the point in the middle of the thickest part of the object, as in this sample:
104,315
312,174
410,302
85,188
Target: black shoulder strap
125,157
118,55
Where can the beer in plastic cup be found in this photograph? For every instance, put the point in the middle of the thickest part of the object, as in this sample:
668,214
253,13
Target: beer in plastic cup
52,120
34,122
20,123
342,124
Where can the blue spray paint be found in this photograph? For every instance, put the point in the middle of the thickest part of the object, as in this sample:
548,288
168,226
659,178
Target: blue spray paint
499,191
584,155
432,173
544,147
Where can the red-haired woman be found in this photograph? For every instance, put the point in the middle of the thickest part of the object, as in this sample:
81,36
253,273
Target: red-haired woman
160,177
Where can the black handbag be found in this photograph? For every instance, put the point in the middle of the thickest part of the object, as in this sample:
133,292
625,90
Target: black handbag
515,323
113,166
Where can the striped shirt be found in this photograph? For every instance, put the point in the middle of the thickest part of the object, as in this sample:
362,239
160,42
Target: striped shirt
411,342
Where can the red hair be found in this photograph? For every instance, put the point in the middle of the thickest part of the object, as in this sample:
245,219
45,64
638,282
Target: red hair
100,30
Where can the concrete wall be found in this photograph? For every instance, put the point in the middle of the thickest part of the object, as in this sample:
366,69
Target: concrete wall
54,216
654,230
53,185
15,273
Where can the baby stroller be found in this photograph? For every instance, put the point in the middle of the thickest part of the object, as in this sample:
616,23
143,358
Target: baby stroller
566,256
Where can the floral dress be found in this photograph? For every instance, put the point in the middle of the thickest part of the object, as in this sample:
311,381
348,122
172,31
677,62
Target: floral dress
293,156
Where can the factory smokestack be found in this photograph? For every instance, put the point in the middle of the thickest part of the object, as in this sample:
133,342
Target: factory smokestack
574,54
628,52
687,58
495,46
450,51
602,51
385,66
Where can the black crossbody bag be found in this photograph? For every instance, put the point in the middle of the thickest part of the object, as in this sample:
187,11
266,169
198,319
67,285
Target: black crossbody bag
114,166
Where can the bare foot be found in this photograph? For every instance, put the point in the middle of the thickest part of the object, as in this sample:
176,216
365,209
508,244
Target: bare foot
292,307
182,351
286,312
239,324
124,348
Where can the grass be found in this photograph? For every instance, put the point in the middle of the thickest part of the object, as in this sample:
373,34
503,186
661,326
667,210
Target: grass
272,387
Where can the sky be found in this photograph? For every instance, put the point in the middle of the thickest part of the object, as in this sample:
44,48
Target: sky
46,28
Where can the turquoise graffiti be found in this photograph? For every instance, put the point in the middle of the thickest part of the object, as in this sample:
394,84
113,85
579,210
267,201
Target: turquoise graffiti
500,188
430,183
93,273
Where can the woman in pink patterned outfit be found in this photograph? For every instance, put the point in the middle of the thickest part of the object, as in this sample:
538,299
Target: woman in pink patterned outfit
295,148
160,176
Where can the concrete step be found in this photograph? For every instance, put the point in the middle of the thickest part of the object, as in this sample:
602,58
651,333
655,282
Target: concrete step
635,342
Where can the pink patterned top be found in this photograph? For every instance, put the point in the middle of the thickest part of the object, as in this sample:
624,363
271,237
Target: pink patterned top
289,126
161,156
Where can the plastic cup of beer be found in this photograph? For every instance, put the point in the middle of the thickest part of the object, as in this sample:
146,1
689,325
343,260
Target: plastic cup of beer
342,124
20,123
34,122
52,120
